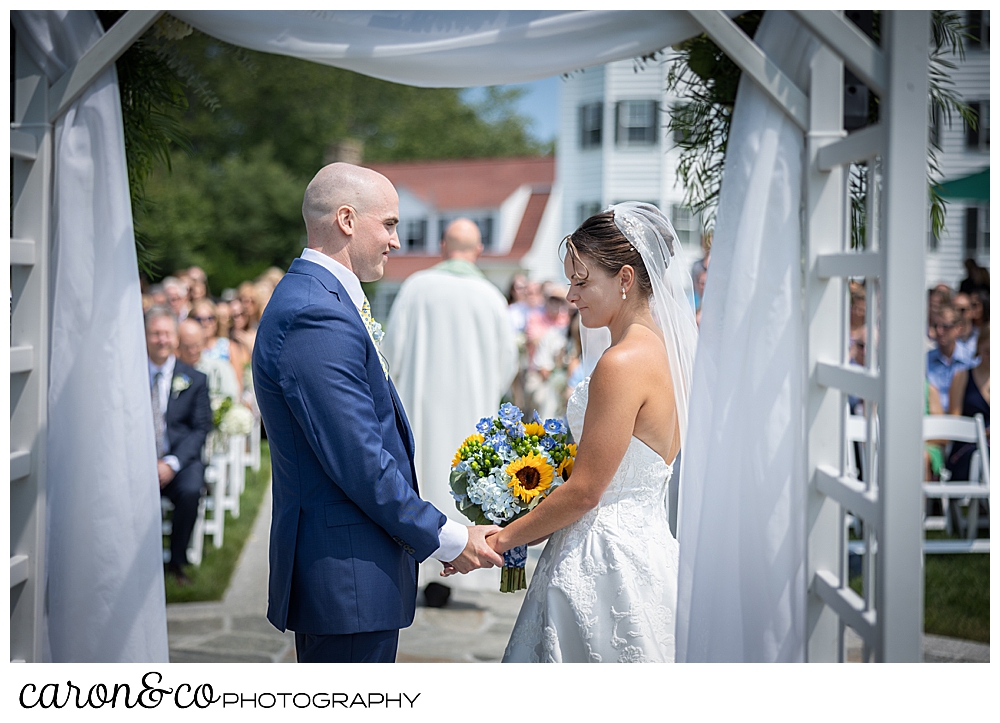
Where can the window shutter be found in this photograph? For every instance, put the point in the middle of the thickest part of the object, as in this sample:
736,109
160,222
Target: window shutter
974,23
618,121
971,231
972,134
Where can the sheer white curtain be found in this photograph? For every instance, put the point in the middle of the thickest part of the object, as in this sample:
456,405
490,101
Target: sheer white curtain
742,588
104,577
434,48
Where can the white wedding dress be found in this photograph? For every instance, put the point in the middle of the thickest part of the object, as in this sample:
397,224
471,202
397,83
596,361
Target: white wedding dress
605,587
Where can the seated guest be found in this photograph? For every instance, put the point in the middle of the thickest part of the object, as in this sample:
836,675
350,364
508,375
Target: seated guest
968,334
970,395
946,357
177,297
182,418
190,350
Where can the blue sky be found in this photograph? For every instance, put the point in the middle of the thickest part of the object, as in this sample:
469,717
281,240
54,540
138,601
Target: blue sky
540,104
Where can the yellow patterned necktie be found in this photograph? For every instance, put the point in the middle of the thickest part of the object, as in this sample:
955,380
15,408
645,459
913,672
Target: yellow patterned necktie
375,333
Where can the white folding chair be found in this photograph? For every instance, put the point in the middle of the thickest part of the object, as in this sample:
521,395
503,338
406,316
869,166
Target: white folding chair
215,502
237,473
253,460
955,494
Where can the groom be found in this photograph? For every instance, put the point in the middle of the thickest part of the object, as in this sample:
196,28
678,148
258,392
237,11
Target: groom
348,526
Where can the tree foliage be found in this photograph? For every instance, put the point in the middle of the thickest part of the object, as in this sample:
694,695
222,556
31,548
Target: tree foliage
236,135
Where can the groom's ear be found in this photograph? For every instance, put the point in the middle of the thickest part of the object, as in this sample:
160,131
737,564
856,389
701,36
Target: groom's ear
347,219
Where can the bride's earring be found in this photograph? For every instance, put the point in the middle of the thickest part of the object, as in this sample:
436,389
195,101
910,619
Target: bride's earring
623,294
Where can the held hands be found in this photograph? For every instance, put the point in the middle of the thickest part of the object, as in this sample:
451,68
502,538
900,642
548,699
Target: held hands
477,553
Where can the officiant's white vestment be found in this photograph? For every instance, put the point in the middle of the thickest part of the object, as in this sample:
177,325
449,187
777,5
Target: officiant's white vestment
452,356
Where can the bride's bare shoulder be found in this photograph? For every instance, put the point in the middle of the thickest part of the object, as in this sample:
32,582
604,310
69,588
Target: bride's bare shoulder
636,360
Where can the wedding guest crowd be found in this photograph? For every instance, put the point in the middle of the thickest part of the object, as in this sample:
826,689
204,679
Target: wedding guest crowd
199,350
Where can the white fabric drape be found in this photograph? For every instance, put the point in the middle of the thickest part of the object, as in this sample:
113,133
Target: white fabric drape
104,576
742,587
450,48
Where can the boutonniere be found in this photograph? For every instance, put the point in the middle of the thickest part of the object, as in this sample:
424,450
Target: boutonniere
377,333
180,383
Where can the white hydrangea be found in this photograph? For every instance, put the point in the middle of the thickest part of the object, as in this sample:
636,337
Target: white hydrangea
493,496
238,420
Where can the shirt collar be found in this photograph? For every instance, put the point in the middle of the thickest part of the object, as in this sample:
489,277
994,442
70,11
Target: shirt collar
344,275
167,368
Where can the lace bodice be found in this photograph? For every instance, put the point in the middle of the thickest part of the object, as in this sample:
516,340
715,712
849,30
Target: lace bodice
605,587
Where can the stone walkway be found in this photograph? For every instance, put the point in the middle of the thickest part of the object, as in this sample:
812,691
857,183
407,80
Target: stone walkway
472,628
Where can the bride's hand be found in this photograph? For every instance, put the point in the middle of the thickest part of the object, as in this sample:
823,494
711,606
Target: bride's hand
493,540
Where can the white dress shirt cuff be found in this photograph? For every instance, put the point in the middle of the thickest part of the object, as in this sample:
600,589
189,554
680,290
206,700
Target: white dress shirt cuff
172,462
453,537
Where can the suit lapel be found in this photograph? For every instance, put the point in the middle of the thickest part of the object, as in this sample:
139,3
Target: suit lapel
332,284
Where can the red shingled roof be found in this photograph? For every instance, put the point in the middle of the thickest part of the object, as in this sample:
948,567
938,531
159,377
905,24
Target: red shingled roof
468,183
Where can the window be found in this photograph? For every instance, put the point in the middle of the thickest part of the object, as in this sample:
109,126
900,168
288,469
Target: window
978,138
687,225
978,27
977,231
635,122
591,122
416,235
586,210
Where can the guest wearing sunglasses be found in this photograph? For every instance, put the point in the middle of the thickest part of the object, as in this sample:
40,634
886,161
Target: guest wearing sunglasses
946,358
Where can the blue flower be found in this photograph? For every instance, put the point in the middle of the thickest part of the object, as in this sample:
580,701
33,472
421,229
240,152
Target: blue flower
535,418
547,442
498,442
510,414
484,425
555,426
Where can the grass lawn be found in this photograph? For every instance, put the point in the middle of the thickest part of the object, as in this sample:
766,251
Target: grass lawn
956,596
210,579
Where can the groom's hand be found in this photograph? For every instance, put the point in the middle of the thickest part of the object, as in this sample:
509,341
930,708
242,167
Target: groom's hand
477,552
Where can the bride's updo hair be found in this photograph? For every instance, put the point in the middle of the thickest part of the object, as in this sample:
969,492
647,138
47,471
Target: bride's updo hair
599,239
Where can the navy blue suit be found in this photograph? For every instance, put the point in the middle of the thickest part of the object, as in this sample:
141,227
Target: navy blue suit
188,421
348,526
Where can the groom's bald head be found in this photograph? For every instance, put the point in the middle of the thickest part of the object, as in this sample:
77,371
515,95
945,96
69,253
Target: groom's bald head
336,185
351,214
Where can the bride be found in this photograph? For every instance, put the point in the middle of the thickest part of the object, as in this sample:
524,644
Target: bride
605,587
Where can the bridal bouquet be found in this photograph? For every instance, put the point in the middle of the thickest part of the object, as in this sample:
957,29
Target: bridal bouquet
504,470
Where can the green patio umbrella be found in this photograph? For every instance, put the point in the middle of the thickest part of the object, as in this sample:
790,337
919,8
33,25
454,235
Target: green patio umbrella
975,187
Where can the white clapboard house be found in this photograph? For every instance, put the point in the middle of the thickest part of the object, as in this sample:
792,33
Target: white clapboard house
614,146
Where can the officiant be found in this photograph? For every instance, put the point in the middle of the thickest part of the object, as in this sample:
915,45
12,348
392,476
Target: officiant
452,354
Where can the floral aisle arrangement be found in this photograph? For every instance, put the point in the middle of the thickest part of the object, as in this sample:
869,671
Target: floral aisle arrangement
230,418
505,469
238,420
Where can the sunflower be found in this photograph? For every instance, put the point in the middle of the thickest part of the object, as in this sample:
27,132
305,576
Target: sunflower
477,438
530,476
565,468
534,429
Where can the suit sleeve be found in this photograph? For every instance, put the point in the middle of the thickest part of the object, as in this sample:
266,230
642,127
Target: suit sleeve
188,449
325,384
